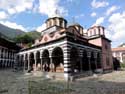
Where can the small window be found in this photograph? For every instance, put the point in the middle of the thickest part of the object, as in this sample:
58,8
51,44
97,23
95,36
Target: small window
50,24
123,57
94,31
61,23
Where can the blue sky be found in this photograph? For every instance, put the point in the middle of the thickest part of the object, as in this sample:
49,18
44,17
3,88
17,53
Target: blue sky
30,15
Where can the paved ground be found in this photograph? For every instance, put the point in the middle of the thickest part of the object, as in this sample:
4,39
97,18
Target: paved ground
18,83
13,82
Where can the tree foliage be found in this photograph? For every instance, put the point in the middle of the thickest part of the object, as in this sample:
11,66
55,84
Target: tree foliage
26,38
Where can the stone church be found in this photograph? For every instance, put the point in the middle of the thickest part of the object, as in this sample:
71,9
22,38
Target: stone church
68,50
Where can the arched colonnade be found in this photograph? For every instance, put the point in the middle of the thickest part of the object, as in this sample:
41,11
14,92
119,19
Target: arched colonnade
58,60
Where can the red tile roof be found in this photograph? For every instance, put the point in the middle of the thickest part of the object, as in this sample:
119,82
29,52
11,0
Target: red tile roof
118,49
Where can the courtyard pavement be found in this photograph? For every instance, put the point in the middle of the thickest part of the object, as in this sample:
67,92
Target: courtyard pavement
17,83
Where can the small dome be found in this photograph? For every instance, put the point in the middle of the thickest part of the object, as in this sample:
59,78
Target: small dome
78,27
96,30
74,24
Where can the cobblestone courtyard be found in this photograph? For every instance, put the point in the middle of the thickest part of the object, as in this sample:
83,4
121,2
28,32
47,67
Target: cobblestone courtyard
17,83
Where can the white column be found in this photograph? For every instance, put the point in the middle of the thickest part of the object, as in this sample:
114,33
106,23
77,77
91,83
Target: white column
51,64
121,59
35,61
28,61
7,54
41,60
24,62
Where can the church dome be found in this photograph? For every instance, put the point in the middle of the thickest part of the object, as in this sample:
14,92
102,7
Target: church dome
56,21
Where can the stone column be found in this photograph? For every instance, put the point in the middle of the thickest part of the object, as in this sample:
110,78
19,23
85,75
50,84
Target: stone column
51,64
41,60
35,61
28,58
7,55
120,55
81,60
67,63
81,64
24,63
89,57
41,64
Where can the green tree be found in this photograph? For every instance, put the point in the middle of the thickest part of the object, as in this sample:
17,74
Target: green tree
27,38
24,39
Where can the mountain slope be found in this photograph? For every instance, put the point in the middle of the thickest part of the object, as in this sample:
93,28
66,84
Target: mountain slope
9,32
34,34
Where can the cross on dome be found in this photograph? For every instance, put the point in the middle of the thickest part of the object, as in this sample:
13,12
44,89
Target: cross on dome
56,13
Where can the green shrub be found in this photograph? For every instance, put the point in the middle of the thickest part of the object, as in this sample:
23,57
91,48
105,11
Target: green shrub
122,65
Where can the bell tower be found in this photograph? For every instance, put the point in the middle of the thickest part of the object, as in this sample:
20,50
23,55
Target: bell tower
97,37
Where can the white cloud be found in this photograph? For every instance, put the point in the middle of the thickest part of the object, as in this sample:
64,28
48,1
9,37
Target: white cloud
108,33
111,10
93,14
40,28
98,4
48,7
11,11
117,26
79,16
16,6
99,21
3,15
13,25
